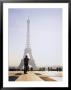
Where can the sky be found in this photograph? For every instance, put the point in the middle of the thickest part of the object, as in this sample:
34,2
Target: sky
45,35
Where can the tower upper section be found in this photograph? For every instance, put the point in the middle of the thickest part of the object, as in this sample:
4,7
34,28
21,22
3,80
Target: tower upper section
28,33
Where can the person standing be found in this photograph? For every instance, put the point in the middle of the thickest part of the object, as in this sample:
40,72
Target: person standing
26,67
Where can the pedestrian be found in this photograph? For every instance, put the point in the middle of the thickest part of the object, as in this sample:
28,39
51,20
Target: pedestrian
26,60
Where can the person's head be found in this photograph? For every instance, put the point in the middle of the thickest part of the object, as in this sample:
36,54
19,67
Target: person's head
26,56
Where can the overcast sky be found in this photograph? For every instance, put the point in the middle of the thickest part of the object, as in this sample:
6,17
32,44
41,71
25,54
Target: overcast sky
45,35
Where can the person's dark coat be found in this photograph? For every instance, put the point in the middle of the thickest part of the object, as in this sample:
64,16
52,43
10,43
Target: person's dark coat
26,60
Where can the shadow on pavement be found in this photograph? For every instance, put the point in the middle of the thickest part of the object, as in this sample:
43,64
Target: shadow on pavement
12,78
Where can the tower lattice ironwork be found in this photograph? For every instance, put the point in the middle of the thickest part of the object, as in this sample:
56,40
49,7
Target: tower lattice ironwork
28,50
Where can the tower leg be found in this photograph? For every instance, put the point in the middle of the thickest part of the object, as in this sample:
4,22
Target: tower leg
31,60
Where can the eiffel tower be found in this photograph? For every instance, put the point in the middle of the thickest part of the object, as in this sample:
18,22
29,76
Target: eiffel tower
28,50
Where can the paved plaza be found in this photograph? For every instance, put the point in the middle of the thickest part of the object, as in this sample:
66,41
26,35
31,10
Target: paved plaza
35,76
